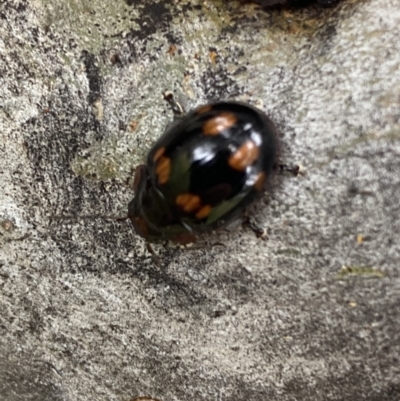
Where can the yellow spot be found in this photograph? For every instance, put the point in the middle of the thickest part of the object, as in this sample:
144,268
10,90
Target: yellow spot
203,212
163,169
245,156
188,202
219,123
158,154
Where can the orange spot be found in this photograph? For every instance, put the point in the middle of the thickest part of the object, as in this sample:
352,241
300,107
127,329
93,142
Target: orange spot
133,125
259,184
204,109
163,169
215,125
7,225
203,212
213,57
188,202
244,156
172,50
158,154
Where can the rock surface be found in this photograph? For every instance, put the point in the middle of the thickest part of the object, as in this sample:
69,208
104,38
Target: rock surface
312,313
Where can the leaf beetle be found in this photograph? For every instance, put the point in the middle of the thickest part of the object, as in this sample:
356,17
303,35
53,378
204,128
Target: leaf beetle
200,175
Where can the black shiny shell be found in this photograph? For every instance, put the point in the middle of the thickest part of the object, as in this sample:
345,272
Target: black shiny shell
203,171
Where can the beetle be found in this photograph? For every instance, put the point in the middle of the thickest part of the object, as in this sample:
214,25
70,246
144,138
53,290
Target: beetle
200,175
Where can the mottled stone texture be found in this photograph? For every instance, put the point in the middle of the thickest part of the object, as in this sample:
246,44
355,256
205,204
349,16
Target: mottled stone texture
311,313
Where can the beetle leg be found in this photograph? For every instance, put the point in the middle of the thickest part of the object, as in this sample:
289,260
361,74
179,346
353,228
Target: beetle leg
258,231
156,258
294,169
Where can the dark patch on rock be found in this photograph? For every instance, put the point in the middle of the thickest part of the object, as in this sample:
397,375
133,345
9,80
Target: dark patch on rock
218,83
154,17
27,377
111,243
18,6
93,75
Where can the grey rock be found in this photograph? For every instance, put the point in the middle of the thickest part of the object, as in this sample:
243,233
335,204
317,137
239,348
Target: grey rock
311,313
